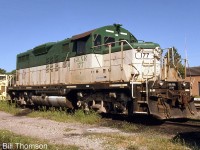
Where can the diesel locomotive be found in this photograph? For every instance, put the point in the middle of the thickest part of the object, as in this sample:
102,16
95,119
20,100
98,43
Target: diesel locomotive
106,69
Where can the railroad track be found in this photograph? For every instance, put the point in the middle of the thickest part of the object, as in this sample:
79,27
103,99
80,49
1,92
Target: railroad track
187,132
190,123
170,127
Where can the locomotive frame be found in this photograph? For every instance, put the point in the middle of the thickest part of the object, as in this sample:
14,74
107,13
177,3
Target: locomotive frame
106,69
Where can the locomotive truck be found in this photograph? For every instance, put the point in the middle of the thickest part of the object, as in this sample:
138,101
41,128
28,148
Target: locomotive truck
106,69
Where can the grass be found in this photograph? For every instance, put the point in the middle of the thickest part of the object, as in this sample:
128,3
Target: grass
61,116
128,127
139,141
123,126
4,106
53,114
8,137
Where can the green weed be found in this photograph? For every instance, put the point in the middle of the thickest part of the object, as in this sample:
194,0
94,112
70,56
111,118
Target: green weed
8,137
138,141
10,108
53,114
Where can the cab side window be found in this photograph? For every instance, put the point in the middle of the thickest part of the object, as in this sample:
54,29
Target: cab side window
80,45
109,40
65,47
97,39
124,43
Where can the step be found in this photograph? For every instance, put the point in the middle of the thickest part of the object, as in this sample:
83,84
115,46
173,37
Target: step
140,112
142,102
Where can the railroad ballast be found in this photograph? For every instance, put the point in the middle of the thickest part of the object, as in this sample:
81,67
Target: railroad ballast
106,69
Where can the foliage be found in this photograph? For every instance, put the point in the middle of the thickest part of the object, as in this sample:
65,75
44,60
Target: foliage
12,72
2,71
175,61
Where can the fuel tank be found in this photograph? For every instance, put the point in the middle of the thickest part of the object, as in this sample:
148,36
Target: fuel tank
52,101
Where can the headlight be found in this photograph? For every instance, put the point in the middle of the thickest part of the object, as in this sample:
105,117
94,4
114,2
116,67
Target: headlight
161,83
184,84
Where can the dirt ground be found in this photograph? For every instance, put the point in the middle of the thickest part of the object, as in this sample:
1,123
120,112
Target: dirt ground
56,132
79,134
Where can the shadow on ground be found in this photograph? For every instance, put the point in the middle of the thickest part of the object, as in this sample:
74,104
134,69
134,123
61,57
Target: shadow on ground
139,119
191,139
24,112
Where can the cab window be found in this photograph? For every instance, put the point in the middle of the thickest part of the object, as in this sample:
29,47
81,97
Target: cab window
109,40
65,47
97,39
80,46
124,43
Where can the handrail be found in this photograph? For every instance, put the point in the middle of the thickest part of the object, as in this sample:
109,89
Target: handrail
113,43
166,63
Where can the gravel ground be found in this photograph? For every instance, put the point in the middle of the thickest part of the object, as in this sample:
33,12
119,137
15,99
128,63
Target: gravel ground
56,132
74,133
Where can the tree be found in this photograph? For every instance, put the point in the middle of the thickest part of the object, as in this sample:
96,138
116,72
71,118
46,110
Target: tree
12,72
175,61
2,71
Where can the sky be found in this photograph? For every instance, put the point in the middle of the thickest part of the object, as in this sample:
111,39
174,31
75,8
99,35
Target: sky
25,24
